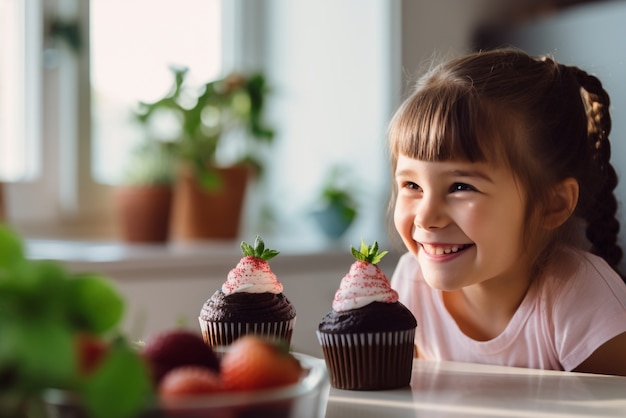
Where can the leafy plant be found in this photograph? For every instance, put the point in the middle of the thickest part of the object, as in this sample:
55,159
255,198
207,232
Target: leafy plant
336,193
335,207
44,311
150,164
207,114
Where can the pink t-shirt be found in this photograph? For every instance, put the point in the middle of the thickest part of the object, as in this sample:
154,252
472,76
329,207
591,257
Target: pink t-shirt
562,320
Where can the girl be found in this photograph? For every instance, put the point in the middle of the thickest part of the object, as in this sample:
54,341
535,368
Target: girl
500,161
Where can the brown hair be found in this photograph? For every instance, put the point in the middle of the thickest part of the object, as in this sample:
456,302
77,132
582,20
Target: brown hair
544,120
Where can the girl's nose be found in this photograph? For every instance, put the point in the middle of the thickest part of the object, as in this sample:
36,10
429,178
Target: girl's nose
430,214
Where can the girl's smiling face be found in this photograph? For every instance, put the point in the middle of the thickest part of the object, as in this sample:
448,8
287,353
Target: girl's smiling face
463,221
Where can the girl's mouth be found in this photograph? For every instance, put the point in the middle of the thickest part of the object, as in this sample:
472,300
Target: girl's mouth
439,249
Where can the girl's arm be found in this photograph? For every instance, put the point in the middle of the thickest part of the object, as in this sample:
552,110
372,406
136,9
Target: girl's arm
609,358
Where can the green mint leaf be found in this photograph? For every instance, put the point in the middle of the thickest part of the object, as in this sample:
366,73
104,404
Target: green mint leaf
370,254
355,253
269,254
364,248
376,259
259,250
247,249
259,246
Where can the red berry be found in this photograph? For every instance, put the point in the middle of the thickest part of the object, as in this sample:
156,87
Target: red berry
189,380
91,350
172,349
253,363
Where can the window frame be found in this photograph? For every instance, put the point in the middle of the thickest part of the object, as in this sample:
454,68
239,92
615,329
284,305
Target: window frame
65,201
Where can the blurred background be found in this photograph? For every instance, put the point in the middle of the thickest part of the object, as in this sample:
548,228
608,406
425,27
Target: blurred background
73,72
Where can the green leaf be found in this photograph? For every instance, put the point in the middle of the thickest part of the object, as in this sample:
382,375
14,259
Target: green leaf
364,248
247,249
30,289
355,253
209,179
46,353
259,245
259,250
370,254
36,353
121,387
95,305
268,254
11,248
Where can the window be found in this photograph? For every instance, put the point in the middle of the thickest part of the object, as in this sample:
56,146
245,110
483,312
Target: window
18,88
66,114
131,52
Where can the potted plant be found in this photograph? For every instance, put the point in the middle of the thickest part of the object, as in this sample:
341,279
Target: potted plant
335,209
219,137
2,210
143,200
62,332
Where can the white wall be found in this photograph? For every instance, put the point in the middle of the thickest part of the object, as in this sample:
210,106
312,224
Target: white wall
333,69
434,29
592,38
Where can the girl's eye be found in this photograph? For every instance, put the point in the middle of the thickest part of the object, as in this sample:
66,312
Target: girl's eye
411,185
461,187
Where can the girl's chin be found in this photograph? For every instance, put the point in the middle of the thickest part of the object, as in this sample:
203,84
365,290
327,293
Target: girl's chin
443,282
444,287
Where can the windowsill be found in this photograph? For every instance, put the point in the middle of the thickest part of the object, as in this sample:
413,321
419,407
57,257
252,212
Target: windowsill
133,261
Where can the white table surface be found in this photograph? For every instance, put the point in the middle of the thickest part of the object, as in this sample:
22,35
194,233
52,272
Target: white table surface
448,389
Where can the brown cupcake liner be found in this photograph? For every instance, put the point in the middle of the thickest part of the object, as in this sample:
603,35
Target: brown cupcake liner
220,334
368,361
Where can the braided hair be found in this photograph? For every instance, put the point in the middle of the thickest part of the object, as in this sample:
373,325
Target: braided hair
546,121
597,204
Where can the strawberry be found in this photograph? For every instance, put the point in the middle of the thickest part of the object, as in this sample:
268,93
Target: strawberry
189,380
174,348
254,363
90,350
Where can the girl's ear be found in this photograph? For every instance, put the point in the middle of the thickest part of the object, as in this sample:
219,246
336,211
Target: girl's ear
562,203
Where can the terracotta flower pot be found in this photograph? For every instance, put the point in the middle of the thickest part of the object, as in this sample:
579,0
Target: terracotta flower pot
202,214
144,212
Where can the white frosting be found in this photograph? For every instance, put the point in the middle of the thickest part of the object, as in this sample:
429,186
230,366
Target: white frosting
365,283
252,275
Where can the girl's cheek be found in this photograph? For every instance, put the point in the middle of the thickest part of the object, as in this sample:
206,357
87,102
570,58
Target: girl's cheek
403,220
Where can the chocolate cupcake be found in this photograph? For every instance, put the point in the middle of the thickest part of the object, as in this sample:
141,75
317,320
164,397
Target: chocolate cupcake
367,337
251,301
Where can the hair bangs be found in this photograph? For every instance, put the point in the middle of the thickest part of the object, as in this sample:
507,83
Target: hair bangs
442,123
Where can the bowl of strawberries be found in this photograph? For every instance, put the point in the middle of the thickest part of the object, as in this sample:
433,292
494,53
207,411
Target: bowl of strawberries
252,378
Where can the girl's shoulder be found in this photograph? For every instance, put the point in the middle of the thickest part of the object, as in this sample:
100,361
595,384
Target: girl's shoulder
571,266
576,276
583,300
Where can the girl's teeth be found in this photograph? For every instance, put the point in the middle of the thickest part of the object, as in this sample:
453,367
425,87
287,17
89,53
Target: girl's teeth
448,250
